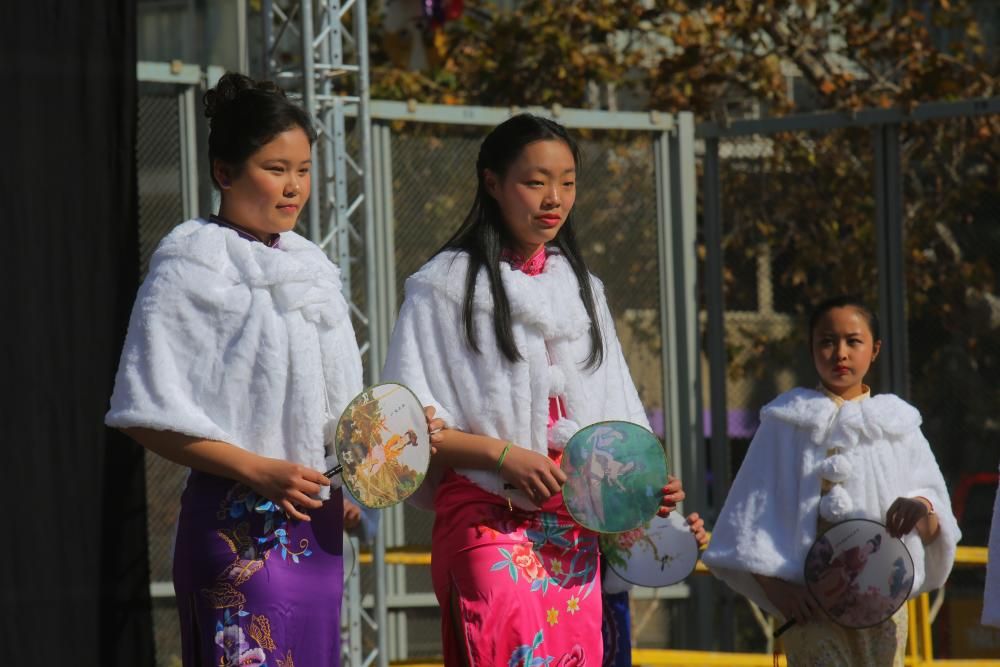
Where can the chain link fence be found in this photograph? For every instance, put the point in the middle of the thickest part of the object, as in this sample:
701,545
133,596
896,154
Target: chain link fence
161,208
158,155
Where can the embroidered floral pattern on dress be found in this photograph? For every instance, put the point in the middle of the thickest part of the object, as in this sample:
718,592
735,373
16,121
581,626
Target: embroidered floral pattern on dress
575,658
549,558
250,554
230,638
529,655
241,501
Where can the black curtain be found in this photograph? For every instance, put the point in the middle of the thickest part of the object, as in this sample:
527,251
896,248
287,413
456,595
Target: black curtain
74,580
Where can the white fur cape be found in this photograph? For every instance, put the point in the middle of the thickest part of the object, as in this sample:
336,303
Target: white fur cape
232,340
486,394
991,596
769,519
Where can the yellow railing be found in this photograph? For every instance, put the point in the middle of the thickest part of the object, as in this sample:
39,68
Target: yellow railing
920,648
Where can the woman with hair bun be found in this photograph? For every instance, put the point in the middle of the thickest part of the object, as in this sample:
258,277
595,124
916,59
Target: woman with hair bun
239,348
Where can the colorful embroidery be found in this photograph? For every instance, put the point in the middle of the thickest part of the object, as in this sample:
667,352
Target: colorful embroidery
549,531
539,562
544,561
524,656
260,630
240,570
251,554
230,638
575,658
224,595
240,502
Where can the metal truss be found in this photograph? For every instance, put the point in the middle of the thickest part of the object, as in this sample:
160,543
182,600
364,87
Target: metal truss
310,50
317,50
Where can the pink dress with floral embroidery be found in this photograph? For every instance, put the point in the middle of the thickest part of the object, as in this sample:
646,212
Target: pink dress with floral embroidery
517,588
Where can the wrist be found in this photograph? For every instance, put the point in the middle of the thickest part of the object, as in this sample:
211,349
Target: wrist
247,468
502,456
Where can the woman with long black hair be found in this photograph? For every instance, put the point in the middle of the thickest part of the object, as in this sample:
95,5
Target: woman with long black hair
506,333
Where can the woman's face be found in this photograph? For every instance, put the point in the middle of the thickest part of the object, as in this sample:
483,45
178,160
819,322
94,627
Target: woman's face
843,350
536,194
267,195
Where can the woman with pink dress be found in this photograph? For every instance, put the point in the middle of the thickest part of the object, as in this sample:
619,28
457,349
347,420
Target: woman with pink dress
509,337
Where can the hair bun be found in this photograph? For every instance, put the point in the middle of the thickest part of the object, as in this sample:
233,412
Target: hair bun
229,88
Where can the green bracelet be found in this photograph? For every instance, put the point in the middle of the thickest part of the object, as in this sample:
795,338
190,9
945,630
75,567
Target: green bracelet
503,455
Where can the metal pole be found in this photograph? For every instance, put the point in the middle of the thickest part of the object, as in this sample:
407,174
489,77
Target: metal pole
716,327
685,217
717,361
384,305
684,229
668,322
385,259
376,352
309,98
354,610
676,221
189,152
329,220
893,363
267,38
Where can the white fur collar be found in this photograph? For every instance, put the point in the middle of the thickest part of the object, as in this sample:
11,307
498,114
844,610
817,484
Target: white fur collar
885,416
550,301
297,273
223,250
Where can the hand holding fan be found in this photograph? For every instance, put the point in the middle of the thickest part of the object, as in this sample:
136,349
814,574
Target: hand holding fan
858,573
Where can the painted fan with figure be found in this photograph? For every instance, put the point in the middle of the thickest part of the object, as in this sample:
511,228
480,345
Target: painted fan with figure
858,573
615,472
381,444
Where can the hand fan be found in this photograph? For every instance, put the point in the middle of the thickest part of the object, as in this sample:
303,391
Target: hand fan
858,573
615,475
661,552
382,445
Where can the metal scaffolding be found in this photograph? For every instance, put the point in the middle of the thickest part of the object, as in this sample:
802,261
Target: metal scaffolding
308,48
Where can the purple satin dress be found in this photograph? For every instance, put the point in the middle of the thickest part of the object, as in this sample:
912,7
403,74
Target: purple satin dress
253,587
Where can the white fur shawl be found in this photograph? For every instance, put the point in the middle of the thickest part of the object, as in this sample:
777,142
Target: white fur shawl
769,519
232,340
991,597
486,394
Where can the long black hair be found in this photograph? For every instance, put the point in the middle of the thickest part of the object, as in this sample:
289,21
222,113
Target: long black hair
244,115
483,234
